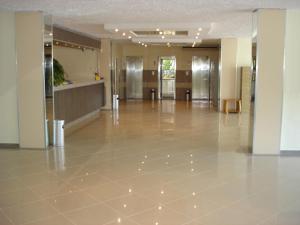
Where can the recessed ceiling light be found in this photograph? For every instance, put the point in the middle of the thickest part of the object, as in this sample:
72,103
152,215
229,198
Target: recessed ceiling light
116,30
157,29
129,37
124,34
139,42
199,29
163,37
160,32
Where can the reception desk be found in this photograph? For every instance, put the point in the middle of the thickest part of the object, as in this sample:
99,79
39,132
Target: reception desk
78,102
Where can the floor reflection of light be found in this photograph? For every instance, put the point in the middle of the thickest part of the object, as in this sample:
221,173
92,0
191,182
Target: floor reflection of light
129,190
162,192
160,207
194,193
119,220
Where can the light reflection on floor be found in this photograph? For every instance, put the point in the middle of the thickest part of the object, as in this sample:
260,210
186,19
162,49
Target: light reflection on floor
151,163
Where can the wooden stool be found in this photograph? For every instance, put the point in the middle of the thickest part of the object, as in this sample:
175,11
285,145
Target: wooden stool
237,105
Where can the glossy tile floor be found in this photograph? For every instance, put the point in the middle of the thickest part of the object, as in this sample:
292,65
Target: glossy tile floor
151,164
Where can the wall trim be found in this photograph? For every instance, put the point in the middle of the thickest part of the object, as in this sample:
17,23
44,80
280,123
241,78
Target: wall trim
9,146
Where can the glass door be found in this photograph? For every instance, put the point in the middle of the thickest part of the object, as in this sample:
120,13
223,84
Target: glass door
168,77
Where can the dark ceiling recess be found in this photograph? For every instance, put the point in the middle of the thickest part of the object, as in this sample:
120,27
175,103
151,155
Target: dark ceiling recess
60,34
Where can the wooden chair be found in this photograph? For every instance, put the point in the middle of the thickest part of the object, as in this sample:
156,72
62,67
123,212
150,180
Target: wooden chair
237,105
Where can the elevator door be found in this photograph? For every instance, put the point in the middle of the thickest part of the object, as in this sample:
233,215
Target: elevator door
201,78
134,77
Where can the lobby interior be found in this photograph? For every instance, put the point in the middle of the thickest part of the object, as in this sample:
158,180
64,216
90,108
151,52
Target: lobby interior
115,112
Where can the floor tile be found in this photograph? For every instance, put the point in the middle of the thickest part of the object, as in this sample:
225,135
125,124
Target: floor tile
159,217
30,212
131,204
71,201
93,215
56,220
22,196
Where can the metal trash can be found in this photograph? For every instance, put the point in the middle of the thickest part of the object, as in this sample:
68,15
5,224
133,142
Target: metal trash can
59,134
187,95
115,101
152,94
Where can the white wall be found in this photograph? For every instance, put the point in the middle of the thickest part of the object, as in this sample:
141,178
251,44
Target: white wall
290,136
269,81
30,60
8,80
105,70
78,65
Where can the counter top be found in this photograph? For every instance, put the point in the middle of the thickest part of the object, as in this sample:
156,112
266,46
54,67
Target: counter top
77,84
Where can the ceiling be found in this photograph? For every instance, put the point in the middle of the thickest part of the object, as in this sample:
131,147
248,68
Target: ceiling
197,19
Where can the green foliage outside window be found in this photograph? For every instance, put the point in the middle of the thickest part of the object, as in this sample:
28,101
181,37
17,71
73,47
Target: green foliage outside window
168,68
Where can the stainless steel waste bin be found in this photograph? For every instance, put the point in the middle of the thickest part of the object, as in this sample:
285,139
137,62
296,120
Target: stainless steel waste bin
59,134
152,94
115,101
187,95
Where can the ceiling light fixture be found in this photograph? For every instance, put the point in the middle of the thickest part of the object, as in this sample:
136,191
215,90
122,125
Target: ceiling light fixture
129,37
157,29
139,42
143,44
197,37
160,32
173,33
146,46
124,34
116,30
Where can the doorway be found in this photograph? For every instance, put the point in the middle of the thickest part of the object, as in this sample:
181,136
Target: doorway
134,77
167,68
201,89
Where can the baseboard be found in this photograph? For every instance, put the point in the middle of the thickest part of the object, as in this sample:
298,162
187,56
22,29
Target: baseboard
80,122
9,146
290,153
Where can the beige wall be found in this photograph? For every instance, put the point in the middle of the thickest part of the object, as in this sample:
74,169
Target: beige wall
152,53
105,70
235,54
291,90
269,81
8,80
78,65
228,69
30,55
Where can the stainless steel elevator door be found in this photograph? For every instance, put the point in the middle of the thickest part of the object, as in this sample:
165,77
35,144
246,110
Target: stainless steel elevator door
134,77
200,78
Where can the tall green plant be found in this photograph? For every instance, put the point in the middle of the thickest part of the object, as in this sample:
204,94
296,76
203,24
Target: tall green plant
58,73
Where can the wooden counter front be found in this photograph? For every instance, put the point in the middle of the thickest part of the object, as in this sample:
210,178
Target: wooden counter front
76,101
